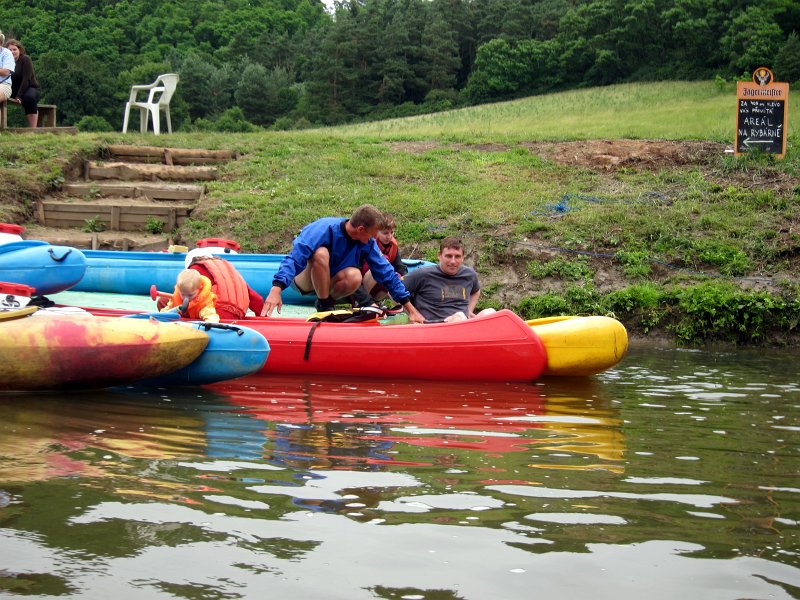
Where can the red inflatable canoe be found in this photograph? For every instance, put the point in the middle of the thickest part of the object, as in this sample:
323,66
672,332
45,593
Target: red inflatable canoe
497,347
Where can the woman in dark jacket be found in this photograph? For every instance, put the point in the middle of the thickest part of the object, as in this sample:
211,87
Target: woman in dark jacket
24,87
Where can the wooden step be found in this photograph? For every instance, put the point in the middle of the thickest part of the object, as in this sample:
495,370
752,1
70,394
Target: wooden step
146,172
104,240
128,189
170,156
119,214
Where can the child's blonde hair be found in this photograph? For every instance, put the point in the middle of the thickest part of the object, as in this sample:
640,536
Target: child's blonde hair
188,282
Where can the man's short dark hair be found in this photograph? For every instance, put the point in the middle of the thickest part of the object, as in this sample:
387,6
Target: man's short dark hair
451,242
367,216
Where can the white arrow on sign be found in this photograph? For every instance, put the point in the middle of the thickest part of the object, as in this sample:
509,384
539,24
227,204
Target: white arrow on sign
749,141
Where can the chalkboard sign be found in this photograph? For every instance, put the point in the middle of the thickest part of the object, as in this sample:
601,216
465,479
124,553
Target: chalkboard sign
762,113
760,124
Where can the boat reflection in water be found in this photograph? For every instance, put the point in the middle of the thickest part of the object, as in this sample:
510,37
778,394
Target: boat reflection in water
330,423
310,424
101,438
56,434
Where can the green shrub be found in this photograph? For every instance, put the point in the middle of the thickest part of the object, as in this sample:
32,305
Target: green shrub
695,314
283,124
55,179
93,123
723,311
155,226
549,304
234,121
575,300
639,305
93,193
94,225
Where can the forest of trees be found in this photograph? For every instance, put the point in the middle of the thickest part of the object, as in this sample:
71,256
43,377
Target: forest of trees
290,63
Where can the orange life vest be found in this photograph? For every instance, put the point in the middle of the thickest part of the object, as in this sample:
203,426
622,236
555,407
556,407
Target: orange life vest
228,285
389,250
204,298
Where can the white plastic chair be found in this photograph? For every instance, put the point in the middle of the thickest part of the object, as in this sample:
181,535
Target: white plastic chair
160,93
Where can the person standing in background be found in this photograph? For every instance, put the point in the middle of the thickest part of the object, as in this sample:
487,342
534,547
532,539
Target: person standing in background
24,87
7,66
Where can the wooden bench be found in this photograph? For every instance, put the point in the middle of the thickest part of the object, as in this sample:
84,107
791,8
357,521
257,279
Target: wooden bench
47,115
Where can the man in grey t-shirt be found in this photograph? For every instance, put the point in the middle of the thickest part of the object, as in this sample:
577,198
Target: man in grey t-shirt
448,291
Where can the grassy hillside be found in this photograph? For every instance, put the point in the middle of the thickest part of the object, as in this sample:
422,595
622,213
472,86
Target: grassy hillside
675,110
561,211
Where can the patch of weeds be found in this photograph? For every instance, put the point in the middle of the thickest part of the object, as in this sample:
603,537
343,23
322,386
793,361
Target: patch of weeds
576,269
413,232
729,260
93,193
711,222
635,263
55,179
755,158
489,290
575,300
496,245
528,227
640,305
154,226
94,225
488,303
431,255
767,200
544,305
722,311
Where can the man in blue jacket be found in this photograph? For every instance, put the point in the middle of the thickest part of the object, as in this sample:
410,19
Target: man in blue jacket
326,259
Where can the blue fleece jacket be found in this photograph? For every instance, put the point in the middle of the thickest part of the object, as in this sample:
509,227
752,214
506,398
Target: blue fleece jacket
345,252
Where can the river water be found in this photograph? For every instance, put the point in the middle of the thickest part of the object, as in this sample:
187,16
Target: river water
674,475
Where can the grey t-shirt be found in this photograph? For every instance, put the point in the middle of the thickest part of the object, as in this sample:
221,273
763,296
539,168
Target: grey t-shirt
438,295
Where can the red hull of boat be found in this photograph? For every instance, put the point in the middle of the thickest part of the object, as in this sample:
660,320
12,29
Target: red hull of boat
497,347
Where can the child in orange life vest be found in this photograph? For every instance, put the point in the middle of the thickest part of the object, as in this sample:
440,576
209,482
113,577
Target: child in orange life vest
233,295
195,288
370,291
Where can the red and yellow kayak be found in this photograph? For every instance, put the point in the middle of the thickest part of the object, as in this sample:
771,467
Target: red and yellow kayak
60,352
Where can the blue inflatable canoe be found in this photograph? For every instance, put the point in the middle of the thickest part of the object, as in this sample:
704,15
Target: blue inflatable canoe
116,272
48,269
233,351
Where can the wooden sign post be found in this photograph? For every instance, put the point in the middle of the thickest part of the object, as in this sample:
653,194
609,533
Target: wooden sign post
762,114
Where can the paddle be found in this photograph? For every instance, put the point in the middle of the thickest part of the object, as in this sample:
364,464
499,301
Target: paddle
154,294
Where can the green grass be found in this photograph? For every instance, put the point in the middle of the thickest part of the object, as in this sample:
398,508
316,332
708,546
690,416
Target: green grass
665,110
468,173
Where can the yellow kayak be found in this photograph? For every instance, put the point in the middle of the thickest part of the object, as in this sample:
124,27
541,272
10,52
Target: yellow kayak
57,352
581,346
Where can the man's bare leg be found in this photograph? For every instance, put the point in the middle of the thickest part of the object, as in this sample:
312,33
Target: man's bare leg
321,273
345,282
317,277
